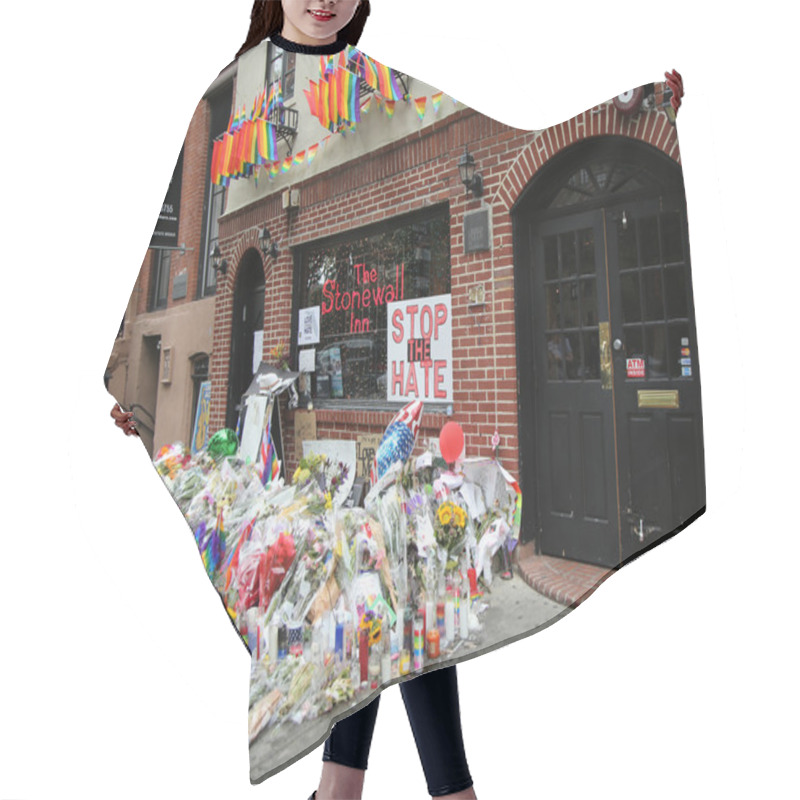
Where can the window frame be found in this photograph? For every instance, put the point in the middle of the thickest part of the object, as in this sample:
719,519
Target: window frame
160,267
300,256
220,103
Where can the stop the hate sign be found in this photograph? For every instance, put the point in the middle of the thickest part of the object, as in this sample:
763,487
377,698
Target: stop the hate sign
419,350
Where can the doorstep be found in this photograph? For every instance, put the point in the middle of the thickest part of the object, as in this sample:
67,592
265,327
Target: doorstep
566,582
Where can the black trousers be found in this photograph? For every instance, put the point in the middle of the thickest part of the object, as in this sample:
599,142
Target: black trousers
431,702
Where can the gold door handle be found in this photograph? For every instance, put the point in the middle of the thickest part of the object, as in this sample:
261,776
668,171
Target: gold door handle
606,363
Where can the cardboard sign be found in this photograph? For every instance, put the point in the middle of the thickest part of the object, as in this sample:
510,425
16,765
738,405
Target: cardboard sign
634,367
419,350
366,447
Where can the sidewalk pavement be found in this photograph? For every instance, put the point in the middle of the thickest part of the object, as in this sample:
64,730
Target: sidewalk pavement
566,582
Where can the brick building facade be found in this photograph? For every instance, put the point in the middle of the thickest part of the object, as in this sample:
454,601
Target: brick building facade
603,453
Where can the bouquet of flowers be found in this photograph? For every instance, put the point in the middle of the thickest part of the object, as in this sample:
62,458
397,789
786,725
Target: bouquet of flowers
330,477
449,529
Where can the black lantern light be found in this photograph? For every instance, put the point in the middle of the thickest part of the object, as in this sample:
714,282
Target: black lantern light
469,177
220,266
268,247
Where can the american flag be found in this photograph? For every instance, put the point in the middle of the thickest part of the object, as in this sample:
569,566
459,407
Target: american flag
398,440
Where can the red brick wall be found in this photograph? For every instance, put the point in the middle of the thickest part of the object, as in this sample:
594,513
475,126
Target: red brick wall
400,177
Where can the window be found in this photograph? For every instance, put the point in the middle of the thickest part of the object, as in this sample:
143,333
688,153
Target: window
159,279
220,102
216,203
281,66
351,279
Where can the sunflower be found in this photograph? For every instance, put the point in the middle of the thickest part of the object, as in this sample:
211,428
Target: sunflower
445,513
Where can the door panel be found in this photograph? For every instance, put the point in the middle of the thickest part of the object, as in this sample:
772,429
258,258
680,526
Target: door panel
652,321
575,459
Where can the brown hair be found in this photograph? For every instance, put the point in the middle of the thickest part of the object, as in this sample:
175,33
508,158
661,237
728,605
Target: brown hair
266,18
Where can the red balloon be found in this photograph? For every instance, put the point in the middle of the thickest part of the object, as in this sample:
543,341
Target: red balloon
451,441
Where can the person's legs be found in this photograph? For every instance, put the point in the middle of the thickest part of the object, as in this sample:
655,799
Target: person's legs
345,755
431,702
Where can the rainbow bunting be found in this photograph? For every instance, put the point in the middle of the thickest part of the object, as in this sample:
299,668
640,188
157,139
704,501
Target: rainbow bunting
389,107
286,164
436,100
299,157
312,151
419,105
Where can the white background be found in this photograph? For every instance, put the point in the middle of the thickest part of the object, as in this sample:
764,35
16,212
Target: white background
119,673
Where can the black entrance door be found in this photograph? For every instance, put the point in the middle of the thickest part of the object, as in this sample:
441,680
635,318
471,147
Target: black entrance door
616,455
247,319
656,372
575,419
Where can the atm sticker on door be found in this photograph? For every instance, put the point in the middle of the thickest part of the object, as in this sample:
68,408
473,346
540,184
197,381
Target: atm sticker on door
685,351
635,367
686,362
686,372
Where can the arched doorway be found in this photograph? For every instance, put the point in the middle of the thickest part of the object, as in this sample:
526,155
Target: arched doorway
608,359
247,318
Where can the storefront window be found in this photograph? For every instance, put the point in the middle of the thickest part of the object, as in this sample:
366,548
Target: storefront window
347,282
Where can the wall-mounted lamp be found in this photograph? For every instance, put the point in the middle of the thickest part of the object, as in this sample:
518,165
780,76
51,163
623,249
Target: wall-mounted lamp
471,179
220,266
268,247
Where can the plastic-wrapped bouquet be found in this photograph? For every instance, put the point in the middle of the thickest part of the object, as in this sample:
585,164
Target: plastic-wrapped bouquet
450,527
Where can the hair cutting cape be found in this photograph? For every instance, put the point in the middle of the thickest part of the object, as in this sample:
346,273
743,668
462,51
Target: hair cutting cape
417,380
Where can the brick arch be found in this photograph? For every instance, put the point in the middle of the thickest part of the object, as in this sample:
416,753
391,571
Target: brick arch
235,253
651,127
245,242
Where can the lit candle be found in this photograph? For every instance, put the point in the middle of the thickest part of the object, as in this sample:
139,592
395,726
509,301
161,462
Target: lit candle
386,668
449,621
430,616
464,612
273,644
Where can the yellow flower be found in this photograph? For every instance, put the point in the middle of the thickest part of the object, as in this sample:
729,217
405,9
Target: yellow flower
461,517
328,500
445,513
301,475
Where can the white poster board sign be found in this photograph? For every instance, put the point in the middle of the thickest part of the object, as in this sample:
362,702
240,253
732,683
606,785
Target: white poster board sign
308,326
255,420
307,360
258,349
419,350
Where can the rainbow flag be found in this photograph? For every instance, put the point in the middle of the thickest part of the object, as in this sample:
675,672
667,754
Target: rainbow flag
275,98
387,83
270,466
312,95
